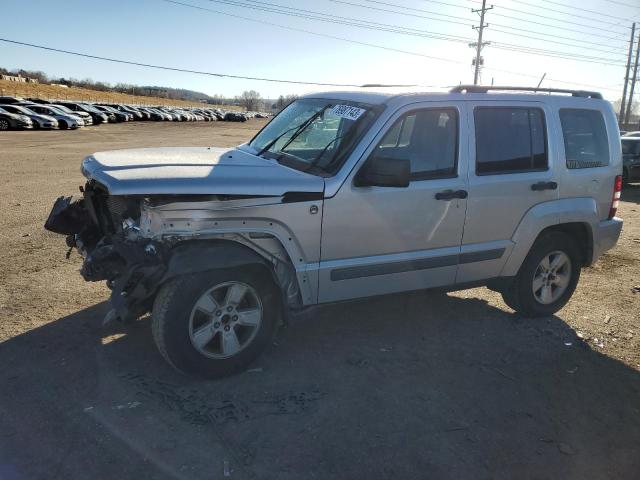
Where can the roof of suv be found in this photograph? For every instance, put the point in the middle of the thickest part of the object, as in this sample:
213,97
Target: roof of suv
462,92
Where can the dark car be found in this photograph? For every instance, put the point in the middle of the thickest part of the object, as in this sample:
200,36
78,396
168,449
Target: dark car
11,100
235,117
97,116
153,115
119,116
630,159
35,100
125,109
14,121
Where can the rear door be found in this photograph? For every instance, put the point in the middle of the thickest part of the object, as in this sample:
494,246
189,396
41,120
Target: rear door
510,171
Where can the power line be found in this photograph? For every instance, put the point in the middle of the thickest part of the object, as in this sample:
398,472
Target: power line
530,14
184,70
320,16
622,3
381,47
572,14
525,20
404,13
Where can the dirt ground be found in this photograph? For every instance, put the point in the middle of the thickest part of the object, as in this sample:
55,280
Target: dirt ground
420,385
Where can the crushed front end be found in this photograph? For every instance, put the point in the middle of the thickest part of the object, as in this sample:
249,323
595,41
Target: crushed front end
104,229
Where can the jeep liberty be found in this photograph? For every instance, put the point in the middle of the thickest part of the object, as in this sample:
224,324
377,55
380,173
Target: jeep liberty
346,195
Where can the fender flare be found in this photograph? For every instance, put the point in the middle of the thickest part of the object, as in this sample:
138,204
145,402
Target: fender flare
544,215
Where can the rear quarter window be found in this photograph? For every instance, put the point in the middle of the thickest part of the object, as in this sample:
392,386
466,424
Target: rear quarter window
586,144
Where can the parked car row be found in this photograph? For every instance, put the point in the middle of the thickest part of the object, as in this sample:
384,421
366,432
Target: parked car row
36,113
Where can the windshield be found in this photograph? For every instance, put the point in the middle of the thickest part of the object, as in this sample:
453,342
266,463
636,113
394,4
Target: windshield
314,133
629,146
57,110
90,108
64,109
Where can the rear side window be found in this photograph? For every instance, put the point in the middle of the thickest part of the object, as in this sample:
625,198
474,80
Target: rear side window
586,144
510,140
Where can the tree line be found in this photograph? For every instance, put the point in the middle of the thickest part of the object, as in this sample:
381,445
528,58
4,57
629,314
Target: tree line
250,99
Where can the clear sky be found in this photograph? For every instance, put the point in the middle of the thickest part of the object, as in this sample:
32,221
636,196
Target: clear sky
157,32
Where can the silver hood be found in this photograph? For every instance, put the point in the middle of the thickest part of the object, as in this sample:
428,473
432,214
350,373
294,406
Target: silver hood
195,170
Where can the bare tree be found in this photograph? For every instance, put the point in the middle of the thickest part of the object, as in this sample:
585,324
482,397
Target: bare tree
251,100
284,101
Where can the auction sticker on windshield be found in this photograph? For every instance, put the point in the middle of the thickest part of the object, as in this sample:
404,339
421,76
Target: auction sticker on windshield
347,111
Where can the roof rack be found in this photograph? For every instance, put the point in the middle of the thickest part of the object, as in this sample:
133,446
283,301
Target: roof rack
485,89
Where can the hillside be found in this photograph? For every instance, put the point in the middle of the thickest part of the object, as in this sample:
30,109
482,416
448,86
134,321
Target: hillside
84,94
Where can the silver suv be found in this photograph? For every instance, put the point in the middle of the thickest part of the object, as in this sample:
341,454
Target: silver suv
345,195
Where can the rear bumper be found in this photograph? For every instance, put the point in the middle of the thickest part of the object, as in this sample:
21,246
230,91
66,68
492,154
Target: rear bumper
606,236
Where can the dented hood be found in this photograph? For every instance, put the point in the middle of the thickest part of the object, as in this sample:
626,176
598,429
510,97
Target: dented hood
201,170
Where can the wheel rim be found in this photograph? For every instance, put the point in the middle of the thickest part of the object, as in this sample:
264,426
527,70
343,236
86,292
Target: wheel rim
4,125
225,320
552,277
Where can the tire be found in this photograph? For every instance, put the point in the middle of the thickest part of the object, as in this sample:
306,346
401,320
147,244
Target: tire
62,125
520,296
4,124
176,321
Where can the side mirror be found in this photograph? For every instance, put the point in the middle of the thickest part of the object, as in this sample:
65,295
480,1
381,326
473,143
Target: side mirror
384,172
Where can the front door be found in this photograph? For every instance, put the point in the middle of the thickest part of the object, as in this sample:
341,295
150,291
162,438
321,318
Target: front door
379,240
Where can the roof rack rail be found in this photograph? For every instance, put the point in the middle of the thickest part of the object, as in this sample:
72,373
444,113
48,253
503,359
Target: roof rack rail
485,89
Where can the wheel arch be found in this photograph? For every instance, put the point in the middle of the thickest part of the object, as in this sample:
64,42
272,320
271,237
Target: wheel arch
575,217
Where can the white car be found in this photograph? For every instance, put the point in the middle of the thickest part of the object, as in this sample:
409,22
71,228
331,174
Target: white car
64,119
39,121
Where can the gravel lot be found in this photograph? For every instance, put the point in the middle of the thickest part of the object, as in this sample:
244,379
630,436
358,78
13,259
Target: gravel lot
420,385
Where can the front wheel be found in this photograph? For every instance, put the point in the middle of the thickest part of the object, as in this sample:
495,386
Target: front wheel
547,277
215,323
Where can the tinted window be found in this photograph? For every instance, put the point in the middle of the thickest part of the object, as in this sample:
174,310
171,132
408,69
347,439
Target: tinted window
428,139
586,144
629,147
510,140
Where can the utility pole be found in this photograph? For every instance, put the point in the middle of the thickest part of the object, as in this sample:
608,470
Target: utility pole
633,82
626,77
479,44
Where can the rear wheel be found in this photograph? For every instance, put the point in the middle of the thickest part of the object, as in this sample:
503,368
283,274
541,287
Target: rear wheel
547,277
215,323
4,124
62,125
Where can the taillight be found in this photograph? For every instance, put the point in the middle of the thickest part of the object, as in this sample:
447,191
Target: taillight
617,189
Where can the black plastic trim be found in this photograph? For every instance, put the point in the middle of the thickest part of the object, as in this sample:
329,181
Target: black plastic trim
349,273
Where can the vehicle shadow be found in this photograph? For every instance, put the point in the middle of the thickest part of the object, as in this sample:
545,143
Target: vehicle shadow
418,385
631,193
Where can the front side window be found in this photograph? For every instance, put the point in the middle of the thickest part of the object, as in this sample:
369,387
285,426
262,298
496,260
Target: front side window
314,134
510,140
428,139
586,144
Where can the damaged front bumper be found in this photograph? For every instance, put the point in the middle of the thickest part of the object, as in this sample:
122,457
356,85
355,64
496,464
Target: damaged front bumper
132,265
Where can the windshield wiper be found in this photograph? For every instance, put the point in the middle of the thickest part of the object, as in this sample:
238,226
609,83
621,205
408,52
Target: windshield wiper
298,130
318,157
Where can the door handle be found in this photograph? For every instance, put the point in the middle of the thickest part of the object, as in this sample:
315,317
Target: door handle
451,194
544,186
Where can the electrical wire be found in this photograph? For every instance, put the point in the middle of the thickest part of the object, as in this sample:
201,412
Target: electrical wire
530,14
319,16
381,47
198,72
609,51
581,32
